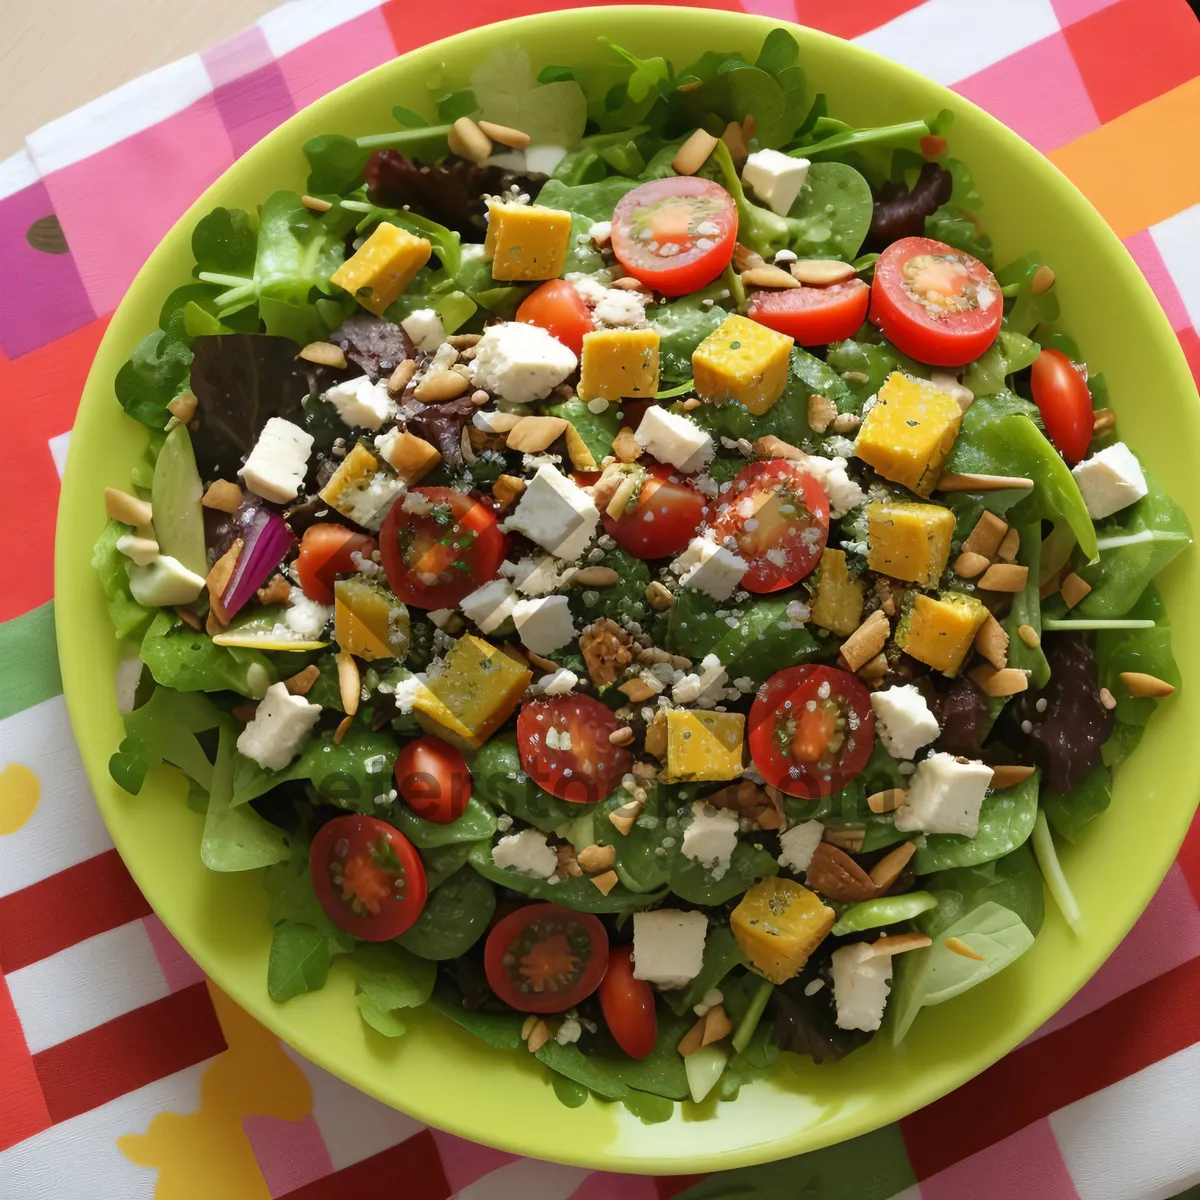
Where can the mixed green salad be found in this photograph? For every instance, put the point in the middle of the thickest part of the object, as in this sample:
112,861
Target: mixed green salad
636,571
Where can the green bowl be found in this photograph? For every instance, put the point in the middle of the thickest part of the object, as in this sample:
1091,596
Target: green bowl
439,1073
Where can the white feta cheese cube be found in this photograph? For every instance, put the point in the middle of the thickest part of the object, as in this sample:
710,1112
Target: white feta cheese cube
844,494
441,617
541,160
527,852
701,687
489,606
544,625
276,466
944,796
360,403
861,982
560,683
535,576
620,308
280,724
775,178
520,363
710,568
304,617
425,328
674,439
798,843
903,720
164,582
711,838
668,946
556,514
1110,480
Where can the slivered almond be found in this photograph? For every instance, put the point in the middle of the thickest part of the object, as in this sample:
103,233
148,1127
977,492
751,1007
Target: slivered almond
1074,589
952,482
183,407
189,619
324,354
499,422
539,1035
734,138
716,1025
849,839
743,257
401,377
958,946
692,1040
606,881
582,459
772,447
1008,682
1009,775
315,204
821,272
898,943
694,153
866,641
276,590
992,642
301,683
1140,684
527,1026
468,141
129,510
629,487
986,537
1004,577
887,801
1029,636
968,565
887,870
1104,420
1043,280
349,681
875,669
596,577
437,387
1050,584
532,435
142,550
222,496
769,277
545,664
218,579
622,818
625,445
1009,547
1107,699
342,729
627,283
505,135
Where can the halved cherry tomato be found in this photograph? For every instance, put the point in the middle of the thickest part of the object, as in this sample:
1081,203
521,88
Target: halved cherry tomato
559,309
934,302
813,316
565,747
675,234
628,1005
434,559
325,552
434,780
1061,393
544,958
368,877
811,730
779,517
668,511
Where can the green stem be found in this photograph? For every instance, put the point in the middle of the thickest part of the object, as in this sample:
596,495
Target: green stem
400,138
681,390
733,281
1051,625
1052,872
863,137
229,281
749,1022
1011,289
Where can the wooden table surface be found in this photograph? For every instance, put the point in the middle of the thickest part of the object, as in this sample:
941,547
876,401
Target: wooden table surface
58,54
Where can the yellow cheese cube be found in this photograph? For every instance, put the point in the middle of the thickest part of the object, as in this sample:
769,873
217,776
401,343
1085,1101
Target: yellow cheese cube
382,267
909,541
360,490
744,361
471,694
839,603
940,632
619,364
353,473
908,433
703,746
411,457
779,923
369,621
527,241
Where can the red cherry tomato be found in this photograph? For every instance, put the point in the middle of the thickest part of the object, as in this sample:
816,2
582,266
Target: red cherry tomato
813,316
434,780
325,552
576,761
675,234
811,751
628,1005
559,309
665,519
368,877
935,303
779,517
544,958
1061,393
434,559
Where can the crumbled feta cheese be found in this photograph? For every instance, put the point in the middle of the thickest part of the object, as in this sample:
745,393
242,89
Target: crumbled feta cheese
668,946
541,160
944,796
620,308
368,505
710,568
844,494
701,687
406,691
280,724
360,403
861,982
601,232
1110,480
556,514
520,363
591,290
416,505
903,720
775,178
425,328
535,576
277,464
528,852
711,838
489,606
798,844
544,625
674,439
559,684
569,1031
304,617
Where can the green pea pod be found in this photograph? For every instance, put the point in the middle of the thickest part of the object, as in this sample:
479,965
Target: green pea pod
887,910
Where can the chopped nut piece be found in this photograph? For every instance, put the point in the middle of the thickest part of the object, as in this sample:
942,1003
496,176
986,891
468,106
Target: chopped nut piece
866,641
596,859
1009,547
505,135
222,496
1043,280
324,354
734,138
467,140
630,485
877,668
218,579
1140,684
951,482
129,510
568,862
315,204
887,870
463,341
692,1040
401,377
437,387
716,1025
605,649
773,447
992,642
833,873
349,681
625,445
1107,699
656,734
142,550
845,423
1004,577
622,818
899,942
189,618
821,272
628,283
301,683
507,488
621,737
276,591
1006,682
532,435
887,801
768,276
183,407
986,537
606,881
342,729
545,664
1104,420
890,594
1074,589
640,688
596,577
968,565
694,153
1050,584
660,596
1005,776
1029,636
539,1035
958,946
412,457
244,712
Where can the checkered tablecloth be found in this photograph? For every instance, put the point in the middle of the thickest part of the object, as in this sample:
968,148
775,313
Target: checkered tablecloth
123,1073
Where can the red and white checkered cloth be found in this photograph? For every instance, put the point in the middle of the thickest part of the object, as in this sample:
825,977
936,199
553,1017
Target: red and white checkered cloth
122,1073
